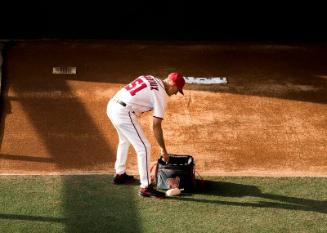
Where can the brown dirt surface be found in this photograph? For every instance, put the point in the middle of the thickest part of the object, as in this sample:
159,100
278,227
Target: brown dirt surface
269,120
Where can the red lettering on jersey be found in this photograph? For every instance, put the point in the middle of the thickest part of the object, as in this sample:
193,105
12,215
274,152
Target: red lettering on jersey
135,86
153,83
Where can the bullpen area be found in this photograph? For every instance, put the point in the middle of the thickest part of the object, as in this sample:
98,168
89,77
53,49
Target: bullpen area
259,140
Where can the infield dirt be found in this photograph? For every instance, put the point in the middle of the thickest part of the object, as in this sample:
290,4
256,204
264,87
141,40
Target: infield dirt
269,120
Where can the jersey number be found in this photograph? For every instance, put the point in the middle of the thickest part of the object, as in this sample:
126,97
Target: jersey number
135,86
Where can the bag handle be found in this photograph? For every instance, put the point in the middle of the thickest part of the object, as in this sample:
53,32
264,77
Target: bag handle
153,171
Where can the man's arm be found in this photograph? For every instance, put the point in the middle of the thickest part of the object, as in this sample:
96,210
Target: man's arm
157,130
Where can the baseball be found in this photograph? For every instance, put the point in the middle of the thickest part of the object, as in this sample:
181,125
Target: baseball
173,192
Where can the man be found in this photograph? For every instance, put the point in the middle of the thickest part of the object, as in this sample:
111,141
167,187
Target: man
146,93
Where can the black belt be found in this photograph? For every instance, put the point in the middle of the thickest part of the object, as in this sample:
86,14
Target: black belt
121,103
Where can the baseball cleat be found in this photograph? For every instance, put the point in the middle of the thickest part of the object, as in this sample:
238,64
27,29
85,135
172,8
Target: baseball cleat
151,192
123,179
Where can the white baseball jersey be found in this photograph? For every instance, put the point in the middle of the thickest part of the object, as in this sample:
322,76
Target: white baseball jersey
144,94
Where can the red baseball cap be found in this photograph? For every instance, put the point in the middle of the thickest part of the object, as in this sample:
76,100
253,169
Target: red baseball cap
178,80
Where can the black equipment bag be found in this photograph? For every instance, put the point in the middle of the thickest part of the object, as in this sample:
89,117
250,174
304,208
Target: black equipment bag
178,173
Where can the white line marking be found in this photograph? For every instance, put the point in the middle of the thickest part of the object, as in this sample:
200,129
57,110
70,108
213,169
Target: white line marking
206,80
64,70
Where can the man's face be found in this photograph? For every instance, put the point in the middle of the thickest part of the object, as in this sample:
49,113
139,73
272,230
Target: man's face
172,90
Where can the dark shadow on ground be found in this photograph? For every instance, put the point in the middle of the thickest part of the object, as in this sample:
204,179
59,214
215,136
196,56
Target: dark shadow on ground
4,89
31,218
93,204
286,71
228,189
66,127
72,140
26,158
297,72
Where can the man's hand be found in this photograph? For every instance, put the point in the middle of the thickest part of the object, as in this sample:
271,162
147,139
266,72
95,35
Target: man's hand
165,156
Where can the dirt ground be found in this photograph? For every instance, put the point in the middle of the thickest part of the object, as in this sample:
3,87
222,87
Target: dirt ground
269,120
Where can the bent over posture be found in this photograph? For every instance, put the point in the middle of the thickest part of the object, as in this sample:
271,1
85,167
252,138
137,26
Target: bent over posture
146,93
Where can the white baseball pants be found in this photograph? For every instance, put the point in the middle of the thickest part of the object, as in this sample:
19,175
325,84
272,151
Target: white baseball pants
130,132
